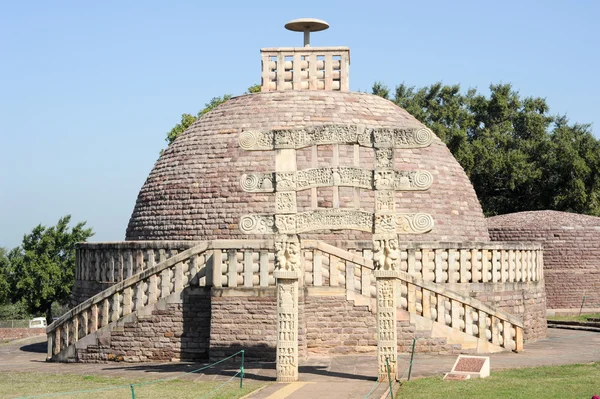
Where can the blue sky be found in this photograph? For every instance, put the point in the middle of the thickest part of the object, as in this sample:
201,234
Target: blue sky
88,90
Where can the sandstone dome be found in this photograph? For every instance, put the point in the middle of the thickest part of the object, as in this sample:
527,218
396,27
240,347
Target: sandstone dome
571,252
194,193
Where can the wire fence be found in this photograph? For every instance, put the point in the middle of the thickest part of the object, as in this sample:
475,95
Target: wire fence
14,323
135,387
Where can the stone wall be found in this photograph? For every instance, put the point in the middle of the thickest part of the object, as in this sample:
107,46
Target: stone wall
571,253
8,334
335,325
244,319
173,332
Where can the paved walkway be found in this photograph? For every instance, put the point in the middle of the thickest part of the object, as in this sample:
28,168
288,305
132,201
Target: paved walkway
350,377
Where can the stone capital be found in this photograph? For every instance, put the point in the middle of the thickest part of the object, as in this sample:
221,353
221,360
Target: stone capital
286,274
394,274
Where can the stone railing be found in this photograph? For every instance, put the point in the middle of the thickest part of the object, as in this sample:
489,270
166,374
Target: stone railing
473,262
424,298
151,271
113,262
305,68
202,264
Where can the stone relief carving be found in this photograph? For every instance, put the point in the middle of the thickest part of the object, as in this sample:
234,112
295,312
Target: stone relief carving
415,223
334,219
384,179
413,180
337,219
384,200
256,140
257,224
384,223
337,176
285,202
384,158
257,182
411,137
287,253
386,253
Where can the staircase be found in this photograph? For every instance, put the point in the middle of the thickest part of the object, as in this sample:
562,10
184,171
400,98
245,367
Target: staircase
463,322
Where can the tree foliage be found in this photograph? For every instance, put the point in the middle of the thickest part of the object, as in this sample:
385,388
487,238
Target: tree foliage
4,266
188,119
518,156
42,270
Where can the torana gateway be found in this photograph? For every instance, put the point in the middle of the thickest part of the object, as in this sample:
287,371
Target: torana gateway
304,219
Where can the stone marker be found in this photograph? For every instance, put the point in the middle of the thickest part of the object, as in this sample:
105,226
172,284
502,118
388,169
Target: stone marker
476,366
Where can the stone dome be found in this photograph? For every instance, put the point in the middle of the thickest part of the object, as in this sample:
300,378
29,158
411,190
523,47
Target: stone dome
194,193
571,252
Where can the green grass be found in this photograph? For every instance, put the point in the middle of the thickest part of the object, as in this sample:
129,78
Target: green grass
560,382
18,385
583,317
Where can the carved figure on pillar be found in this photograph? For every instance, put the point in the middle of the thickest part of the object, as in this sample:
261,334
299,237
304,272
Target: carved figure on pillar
386,258
386,253
287,253
287,273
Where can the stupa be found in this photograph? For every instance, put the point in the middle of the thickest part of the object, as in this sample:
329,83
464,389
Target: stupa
304,219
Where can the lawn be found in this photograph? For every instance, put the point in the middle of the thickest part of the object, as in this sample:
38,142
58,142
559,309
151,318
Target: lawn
560,382
582,317
19,385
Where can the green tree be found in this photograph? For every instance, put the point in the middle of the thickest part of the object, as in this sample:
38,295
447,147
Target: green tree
4,270
518,156
43,267
187,119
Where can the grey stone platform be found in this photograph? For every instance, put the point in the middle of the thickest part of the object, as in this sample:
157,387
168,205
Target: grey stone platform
320,377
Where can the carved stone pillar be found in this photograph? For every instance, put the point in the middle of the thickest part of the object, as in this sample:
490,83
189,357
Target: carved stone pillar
287,273
386,260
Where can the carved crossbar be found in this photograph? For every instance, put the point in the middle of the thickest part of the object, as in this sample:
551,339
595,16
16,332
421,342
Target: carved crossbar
296,138
417,180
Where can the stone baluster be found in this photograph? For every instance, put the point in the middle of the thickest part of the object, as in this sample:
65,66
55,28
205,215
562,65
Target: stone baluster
94,318
165,283
334,271
469,320
482,325
411,261
439,273
50,346
317,268
464,271
178,283
105,312
141,297
128,264
512,272
217,268
426,303
57,342
97,265
86,326
152,289
248,268
115,307
349,272
264,268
